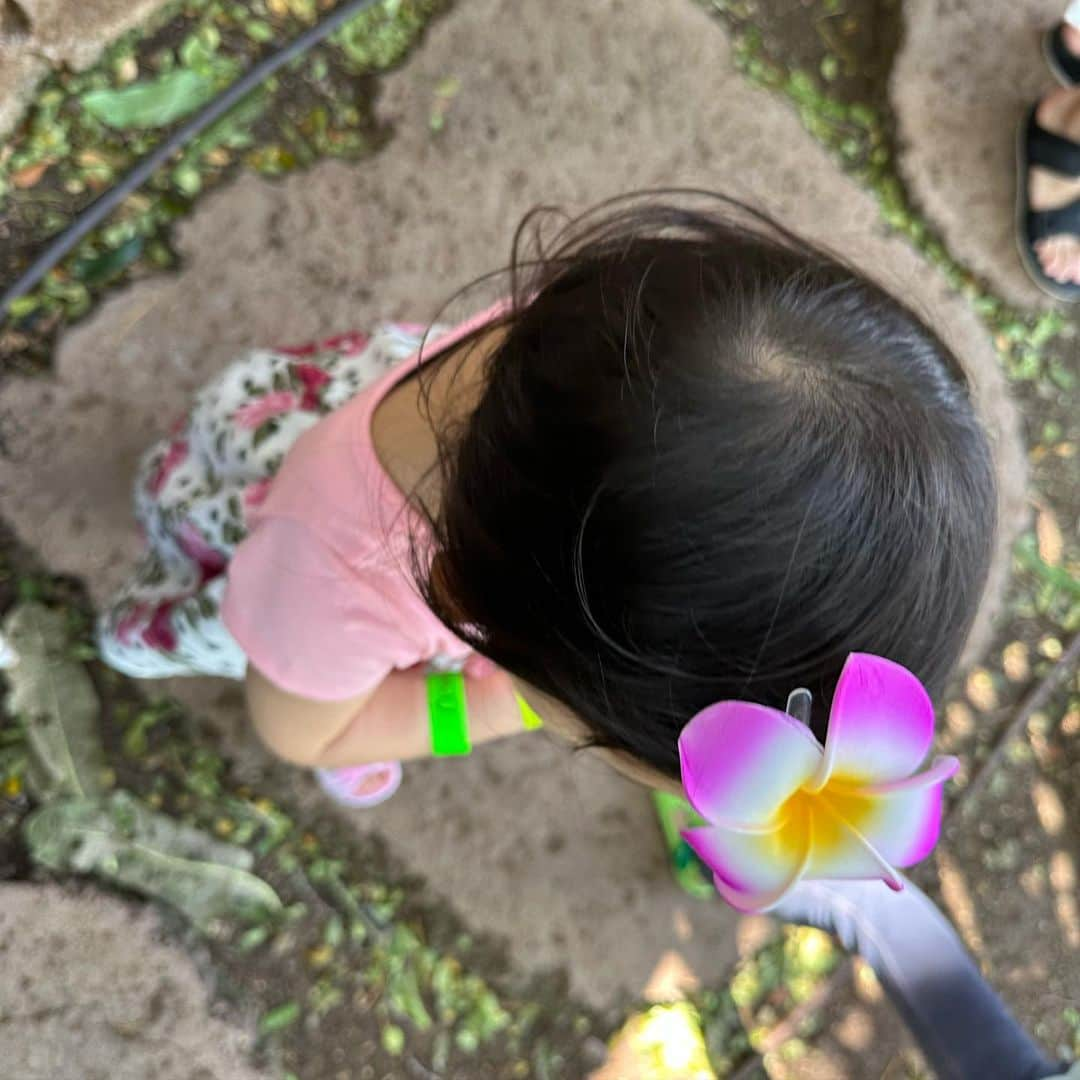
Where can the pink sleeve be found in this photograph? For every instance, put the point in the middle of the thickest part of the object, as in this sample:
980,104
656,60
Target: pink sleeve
308,621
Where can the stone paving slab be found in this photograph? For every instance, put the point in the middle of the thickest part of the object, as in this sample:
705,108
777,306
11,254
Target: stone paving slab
90,992
35,34
964,79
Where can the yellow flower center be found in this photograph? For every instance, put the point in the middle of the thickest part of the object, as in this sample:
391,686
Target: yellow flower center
818,818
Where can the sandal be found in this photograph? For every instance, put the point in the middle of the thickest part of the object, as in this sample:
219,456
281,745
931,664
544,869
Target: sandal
1035,146
361,786
1064,64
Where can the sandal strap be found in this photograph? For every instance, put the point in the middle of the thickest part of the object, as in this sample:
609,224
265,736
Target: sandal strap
1051,151
1061,221
1065,59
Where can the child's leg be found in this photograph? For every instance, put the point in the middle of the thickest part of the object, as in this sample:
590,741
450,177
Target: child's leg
153,630
961,1025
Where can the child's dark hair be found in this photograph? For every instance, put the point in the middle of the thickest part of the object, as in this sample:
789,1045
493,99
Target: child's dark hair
709,462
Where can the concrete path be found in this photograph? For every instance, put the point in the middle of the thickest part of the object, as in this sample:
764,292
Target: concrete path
961,85
90,992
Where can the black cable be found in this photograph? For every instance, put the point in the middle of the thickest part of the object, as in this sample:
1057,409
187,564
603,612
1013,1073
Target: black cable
95,212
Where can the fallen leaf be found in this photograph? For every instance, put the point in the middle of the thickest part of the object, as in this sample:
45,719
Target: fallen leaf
90,158
279,1017
119,839
960,719
127,70
54,699
1050,541
29,175
981,691
153,103
1014,659
1051,647
109,263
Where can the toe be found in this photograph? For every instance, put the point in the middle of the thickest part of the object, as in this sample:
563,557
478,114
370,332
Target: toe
1055,260
1070,261
1048,255
1065,264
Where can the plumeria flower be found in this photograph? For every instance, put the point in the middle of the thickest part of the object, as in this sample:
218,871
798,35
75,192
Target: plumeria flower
781,808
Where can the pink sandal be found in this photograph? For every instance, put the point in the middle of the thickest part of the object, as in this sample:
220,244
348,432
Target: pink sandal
361,785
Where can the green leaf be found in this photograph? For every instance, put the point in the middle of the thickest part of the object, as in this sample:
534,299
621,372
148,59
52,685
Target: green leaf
109,263
279,1017
334,934
258,30
119,839
233,129
187,179
253,938
393,1040
404,999
197,50
1060,375
54,698
151,104
23,305
1026,552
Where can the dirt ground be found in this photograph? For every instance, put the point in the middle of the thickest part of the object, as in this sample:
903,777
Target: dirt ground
87,978
563,103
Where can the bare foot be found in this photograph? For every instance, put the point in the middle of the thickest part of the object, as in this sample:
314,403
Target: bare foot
1071,38
1058,112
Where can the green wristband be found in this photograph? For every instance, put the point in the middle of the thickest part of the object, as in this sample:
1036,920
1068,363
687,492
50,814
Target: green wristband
449,714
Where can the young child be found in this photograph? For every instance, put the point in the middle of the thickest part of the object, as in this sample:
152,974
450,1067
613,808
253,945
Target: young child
688,458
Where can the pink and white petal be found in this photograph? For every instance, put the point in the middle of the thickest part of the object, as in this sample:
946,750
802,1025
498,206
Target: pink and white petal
752,870
754,904
904,821
881,724
840,851
740,761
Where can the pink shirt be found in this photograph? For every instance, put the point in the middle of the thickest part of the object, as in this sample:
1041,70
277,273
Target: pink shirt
320,595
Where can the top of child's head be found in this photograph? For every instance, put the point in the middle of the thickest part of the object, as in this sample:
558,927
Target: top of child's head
709,461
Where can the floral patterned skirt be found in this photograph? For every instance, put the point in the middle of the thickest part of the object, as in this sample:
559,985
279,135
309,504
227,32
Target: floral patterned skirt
194,489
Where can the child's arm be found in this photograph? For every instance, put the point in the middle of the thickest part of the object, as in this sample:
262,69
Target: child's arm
389,724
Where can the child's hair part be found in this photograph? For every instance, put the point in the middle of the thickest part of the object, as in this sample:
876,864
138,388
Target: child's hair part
709,461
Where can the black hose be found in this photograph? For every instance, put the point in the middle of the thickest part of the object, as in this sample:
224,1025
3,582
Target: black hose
96,211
